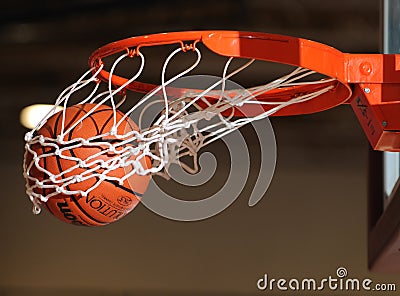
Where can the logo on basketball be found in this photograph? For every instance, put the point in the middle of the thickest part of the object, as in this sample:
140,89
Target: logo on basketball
124,200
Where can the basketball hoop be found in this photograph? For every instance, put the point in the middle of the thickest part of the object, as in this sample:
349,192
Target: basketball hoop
176,132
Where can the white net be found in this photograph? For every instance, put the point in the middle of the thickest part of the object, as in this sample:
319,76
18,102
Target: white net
184,126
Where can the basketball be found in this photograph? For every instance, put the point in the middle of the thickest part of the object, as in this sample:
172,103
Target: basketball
109,200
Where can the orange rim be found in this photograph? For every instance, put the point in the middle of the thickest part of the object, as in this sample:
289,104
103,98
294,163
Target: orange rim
294,51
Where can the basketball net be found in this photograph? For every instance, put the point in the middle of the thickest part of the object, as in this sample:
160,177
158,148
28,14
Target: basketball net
186,124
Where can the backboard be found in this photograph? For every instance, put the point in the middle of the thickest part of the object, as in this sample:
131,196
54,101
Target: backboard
384,173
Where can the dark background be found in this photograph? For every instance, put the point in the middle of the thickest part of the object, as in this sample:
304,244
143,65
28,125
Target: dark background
311,221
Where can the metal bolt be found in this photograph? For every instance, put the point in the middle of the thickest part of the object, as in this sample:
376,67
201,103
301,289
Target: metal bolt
384,123
367,90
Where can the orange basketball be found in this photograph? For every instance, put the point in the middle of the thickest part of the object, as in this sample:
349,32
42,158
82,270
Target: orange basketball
110,200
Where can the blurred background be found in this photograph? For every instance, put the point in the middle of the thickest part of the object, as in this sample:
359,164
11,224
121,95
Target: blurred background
311,221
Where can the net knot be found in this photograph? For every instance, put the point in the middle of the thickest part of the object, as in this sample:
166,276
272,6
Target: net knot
113,131
112,149
78,179
85,142
60,139
229,124
28,136
208,115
